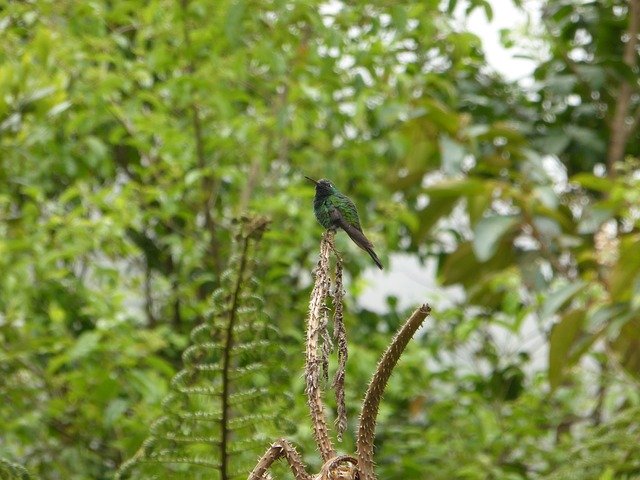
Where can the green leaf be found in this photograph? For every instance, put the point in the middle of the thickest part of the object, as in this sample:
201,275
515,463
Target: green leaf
558,298
561,84
85,345
587,138
441,114
563,336
488,11
554,144
462,266
437,208
547,227
59,108
592,218
477,205
458,188
452,155
399,17
233,23
627,346
626,271
608,474
114,411
593,182
488,233
595,75
547,196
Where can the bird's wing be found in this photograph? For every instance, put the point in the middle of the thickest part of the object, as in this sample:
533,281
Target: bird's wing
336,216
350,212
354,231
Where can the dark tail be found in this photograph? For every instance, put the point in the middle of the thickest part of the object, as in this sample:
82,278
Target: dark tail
374,256
363,242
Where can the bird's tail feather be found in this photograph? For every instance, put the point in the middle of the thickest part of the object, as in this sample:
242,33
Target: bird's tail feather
363,242
374,257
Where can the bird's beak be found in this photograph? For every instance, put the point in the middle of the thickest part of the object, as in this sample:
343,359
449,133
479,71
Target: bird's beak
311,179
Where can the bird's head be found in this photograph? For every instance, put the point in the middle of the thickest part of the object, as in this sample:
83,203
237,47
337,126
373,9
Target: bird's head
323,186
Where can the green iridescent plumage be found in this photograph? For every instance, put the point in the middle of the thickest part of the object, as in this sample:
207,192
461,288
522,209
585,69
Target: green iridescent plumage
335,210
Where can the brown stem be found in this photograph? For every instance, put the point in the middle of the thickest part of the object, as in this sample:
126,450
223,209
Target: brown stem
343,467
368,416
226,365
620,130
175,291
316,325
280,448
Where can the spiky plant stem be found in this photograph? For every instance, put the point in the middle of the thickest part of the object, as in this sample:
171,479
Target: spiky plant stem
369,413
280,448
316,329
340,339
343,467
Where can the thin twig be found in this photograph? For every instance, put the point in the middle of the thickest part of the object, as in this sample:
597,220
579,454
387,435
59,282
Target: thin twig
620,130
368,416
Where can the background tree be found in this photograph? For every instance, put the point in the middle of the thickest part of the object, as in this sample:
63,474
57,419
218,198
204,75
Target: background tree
132,136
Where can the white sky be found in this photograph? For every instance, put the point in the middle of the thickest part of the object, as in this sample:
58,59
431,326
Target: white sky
505,16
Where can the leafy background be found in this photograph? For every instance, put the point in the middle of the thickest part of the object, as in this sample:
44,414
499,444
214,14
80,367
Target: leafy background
132,136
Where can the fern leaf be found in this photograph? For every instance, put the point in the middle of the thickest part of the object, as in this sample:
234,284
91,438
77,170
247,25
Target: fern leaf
13,471
212,418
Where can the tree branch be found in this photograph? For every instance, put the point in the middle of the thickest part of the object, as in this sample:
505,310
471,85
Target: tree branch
620,129
368,416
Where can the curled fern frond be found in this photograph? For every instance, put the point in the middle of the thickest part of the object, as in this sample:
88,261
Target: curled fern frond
213,418
611,450
13,471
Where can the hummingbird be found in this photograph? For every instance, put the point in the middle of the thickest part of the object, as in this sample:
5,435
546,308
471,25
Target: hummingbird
334,209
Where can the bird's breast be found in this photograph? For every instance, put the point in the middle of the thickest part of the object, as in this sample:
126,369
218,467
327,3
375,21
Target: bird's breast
322,209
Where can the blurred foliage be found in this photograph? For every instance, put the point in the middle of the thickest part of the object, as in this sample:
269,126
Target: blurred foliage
13,471
132,134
